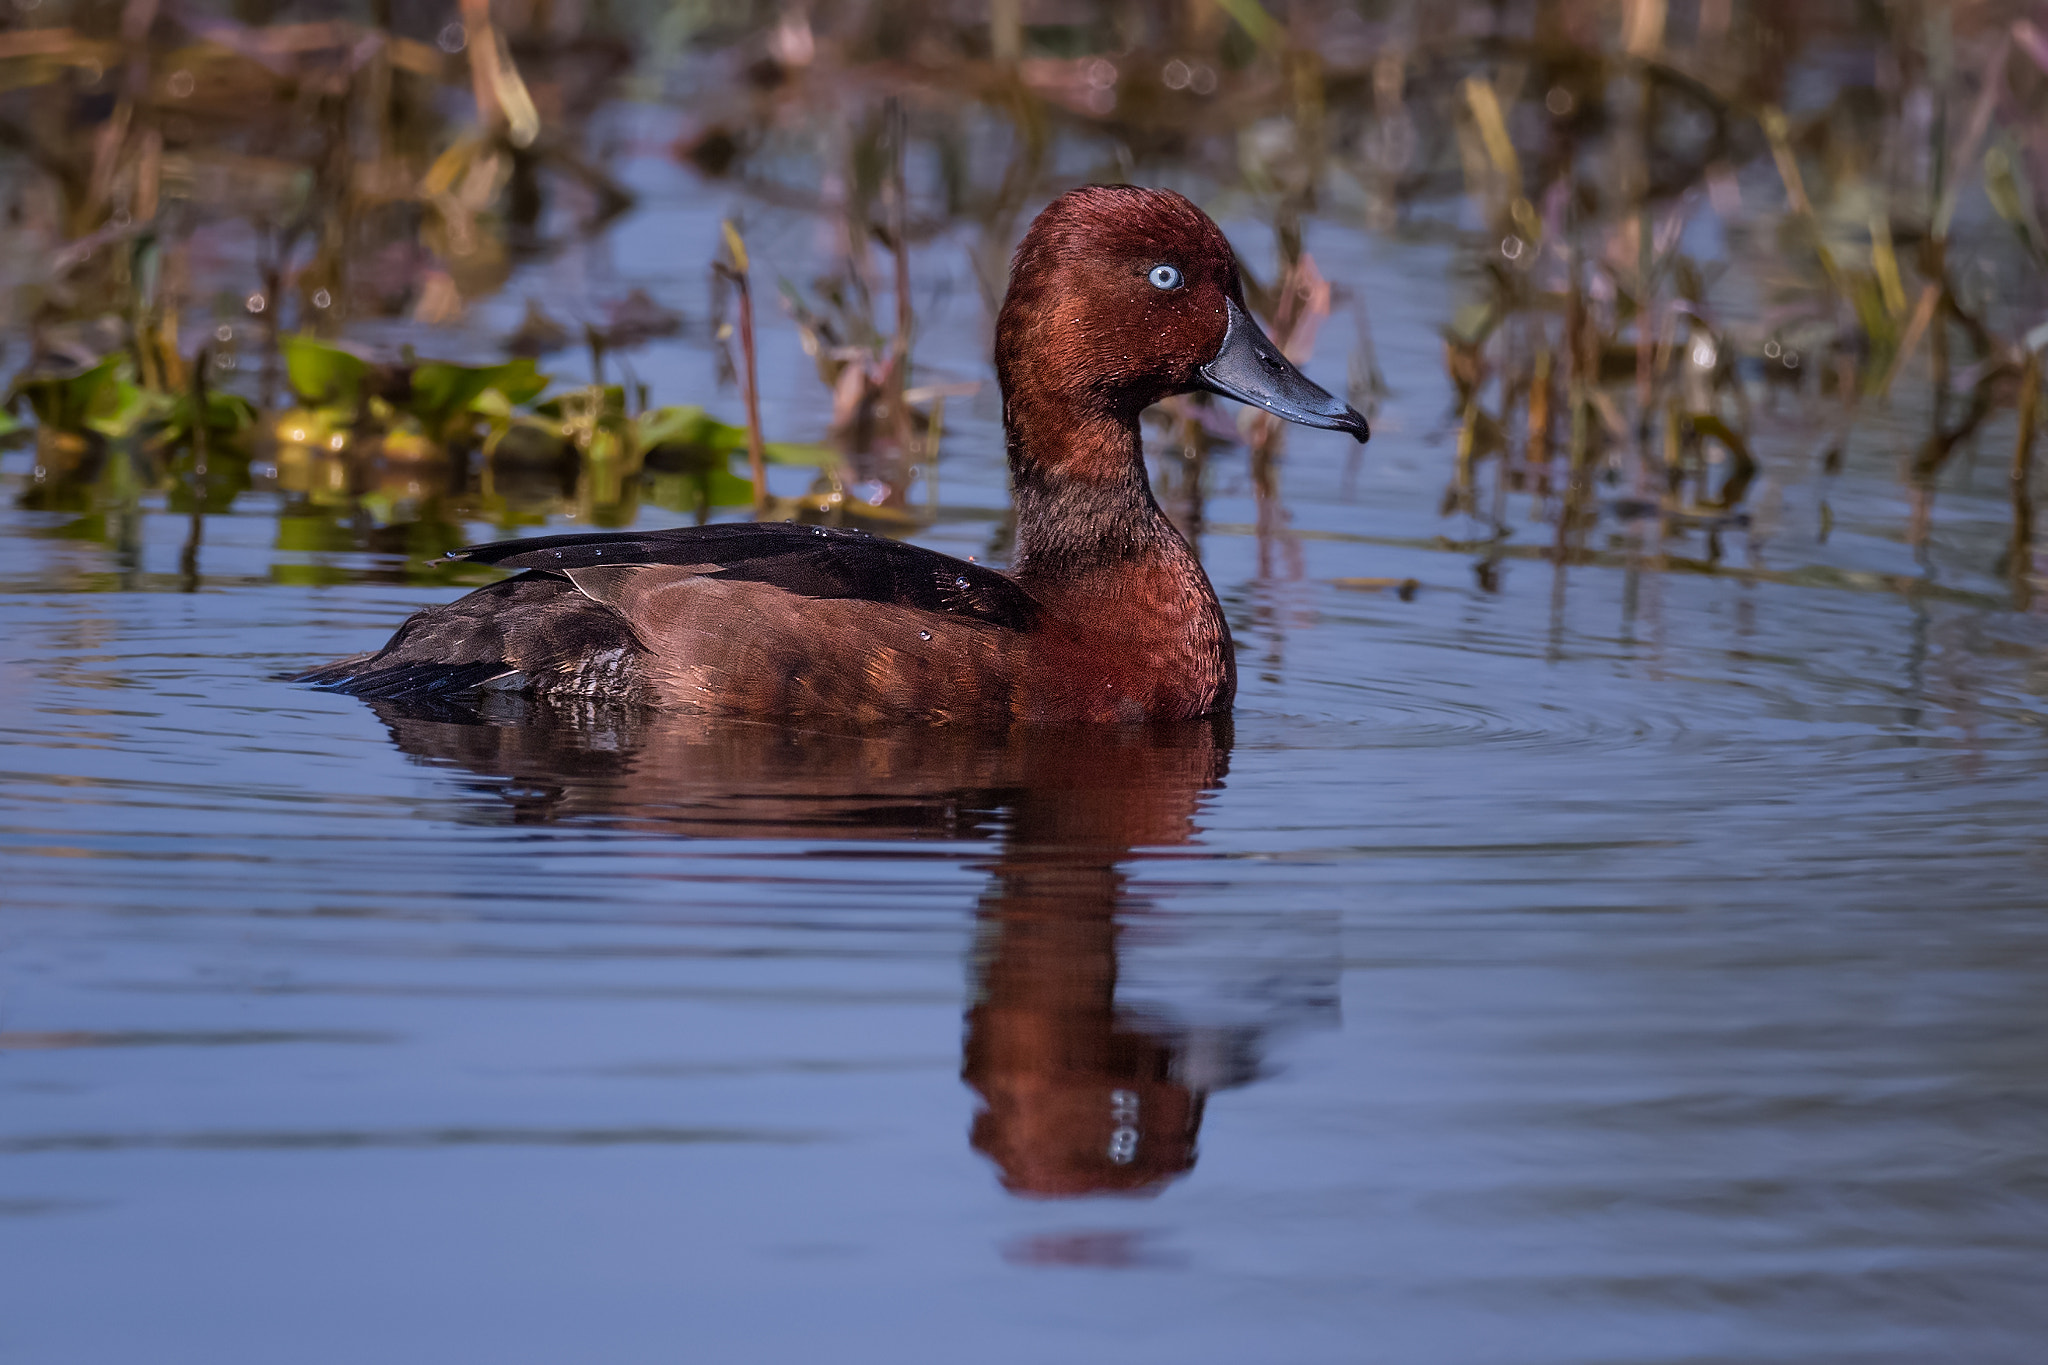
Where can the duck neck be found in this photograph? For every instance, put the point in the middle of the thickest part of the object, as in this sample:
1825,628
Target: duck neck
1083,502
1120,583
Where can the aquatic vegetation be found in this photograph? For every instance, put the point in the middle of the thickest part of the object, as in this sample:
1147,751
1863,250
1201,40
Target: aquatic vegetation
1701,250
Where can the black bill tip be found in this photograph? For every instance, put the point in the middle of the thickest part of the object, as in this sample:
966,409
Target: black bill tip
1251,369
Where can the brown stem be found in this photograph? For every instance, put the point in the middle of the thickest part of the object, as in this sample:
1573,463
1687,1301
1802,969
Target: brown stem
1540,445
1646,335
1938,338
1578,407
757,457
2022,556
188,558
899,241
274,247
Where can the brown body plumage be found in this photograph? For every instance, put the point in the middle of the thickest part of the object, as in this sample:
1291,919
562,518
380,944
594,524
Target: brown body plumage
1119,297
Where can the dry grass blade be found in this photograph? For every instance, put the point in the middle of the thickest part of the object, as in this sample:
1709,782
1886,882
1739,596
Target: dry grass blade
1916,327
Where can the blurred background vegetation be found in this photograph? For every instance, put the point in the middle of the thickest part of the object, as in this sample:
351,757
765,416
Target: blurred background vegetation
249,243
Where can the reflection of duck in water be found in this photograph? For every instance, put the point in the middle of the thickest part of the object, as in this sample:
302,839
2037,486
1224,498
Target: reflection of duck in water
1077,1098
1081,1093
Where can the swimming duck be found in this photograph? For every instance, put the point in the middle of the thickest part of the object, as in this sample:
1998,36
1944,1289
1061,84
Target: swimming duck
1119,296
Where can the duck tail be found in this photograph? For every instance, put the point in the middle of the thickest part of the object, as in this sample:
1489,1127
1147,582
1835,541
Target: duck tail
369,675
533,629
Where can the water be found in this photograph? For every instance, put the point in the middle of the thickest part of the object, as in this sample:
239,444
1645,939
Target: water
1618,964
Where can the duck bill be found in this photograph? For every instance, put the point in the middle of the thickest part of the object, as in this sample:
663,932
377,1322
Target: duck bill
1251,369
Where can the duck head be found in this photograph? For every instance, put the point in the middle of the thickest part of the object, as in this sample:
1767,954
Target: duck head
1121,296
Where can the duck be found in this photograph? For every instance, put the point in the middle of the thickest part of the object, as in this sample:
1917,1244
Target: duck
1119,296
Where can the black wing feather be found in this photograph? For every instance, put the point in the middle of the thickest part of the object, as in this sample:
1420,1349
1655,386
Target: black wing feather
728,542
363,677
809,561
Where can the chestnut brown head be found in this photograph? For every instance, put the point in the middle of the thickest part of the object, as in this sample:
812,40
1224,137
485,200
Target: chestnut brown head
1121,296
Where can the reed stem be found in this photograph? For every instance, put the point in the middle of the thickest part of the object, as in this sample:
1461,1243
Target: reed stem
899,242
195,532
757,453
2021,557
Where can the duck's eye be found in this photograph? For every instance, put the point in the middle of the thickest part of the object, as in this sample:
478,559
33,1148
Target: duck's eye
1164,277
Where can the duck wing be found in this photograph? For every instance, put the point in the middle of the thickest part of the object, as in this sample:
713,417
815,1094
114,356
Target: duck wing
808,561
588,606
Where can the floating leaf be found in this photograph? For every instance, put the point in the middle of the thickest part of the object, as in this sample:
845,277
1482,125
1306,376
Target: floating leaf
125,407
64,402
228,415
527,442
698,491
688,425
443,394
324,375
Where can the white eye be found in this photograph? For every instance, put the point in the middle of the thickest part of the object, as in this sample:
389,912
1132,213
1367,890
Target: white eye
1164,277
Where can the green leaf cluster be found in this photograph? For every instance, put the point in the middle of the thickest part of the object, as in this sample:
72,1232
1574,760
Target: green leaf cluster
681,455
101,398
